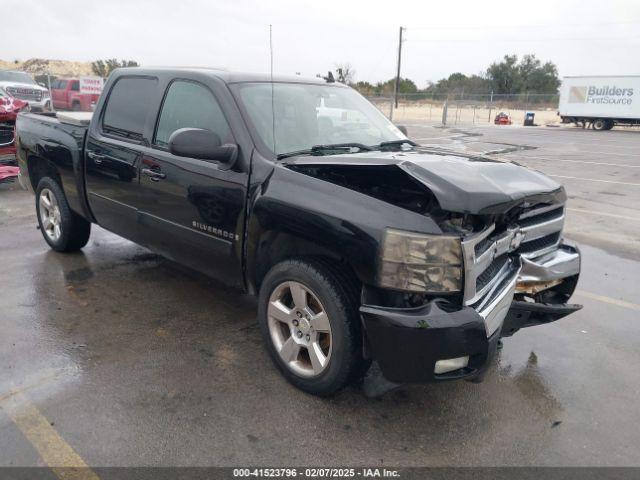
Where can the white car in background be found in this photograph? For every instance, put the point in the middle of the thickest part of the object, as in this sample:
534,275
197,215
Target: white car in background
333,110
22,86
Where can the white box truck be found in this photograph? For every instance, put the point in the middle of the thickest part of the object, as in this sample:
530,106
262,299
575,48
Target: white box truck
602,101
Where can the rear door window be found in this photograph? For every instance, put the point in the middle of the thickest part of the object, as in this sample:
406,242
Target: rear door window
62,85
129,103
190,105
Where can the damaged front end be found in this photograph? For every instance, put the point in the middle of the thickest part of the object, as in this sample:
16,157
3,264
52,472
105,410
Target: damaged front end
518,272
525,254
516,269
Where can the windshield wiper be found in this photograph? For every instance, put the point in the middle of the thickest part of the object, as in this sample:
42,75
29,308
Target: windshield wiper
332,147
395,144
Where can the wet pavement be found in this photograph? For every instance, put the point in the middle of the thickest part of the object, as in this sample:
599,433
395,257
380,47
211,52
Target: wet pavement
134,360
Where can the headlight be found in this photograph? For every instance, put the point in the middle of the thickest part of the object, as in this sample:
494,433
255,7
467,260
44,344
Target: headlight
46,94
420,263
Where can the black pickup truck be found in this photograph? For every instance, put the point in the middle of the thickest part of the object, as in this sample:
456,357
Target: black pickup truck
362,245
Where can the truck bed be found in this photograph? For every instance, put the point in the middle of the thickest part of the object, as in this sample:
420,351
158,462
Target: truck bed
58,139
79,119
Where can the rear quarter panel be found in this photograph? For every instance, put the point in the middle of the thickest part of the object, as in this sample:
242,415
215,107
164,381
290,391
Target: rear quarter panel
43,140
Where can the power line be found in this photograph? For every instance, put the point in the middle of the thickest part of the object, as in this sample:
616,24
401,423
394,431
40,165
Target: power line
396,87
520,40
503,26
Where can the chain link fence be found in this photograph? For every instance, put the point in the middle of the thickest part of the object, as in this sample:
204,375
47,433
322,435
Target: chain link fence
468,109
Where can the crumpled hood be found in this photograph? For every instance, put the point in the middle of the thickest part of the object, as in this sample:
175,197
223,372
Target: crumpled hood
460,182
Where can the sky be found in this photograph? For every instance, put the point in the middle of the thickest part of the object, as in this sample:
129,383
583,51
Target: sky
581,37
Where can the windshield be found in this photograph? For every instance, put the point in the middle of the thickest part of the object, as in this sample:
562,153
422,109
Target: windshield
17,77
308,115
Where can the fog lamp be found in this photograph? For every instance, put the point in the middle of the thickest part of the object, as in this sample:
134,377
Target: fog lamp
450,365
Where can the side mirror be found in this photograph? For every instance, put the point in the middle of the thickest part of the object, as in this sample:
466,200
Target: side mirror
403,129
202,144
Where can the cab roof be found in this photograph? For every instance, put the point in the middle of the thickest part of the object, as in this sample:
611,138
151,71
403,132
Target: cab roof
228,76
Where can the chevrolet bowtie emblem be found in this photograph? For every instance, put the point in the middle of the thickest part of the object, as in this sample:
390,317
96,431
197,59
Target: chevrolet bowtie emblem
516,240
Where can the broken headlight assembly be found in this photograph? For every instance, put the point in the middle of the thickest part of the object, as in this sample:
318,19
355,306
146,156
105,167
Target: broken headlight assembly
420,263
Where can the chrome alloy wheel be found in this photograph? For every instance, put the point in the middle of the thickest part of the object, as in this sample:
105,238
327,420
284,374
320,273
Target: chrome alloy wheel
50,214
299,329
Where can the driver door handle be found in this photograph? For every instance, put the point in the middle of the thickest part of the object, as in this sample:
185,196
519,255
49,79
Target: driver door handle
96,157
155,175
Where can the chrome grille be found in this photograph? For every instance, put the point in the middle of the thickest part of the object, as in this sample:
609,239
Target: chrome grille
541,243
542,228
486,255
534,217
494,267
22,93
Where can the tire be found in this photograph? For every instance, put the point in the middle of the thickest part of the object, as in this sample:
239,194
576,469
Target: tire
72,232
337,295
610,124
75,106
599,124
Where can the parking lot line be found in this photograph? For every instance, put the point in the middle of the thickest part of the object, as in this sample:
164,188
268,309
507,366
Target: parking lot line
591,137
609,300
57,454
533,157
594,180
607,154
594,212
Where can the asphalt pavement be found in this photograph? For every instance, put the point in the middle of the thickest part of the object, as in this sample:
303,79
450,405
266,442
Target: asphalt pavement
117,357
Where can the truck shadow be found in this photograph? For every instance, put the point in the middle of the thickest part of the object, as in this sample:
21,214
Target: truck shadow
186,342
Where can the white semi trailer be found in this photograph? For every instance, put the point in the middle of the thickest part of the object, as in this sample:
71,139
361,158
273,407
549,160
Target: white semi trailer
602,102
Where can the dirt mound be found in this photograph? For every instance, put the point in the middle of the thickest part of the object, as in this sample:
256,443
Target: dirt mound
58,68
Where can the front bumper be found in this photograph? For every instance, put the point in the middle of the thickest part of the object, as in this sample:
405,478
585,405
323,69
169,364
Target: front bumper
41,106
407,343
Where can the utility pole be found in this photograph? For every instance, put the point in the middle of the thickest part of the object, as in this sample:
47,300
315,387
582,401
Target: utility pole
50,94
397,84
490,106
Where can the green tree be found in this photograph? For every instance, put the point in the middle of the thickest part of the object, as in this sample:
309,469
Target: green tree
103,68
504,76
542,79
458,84
365,88
386,88
527,75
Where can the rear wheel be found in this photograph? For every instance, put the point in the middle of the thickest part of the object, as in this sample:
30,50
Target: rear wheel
308,315
600,124
63,229
75,106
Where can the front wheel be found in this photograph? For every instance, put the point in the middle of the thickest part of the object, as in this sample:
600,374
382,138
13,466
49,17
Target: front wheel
63,229
308,315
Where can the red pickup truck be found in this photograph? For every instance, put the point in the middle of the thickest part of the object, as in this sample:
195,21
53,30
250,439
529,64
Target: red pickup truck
65,94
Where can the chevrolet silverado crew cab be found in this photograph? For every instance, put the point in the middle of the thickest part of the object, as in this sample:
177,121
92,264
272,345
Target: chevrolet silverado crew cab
360,244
